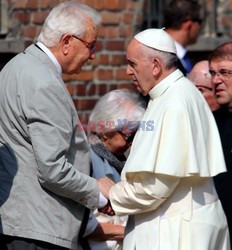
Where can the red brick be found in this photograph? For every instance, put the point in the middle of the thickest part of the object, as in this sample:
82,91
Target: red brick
111,32
102,59
110,18
115,45
104,74
122,4
127,18
131,5
22,17
91,90
102,89
126,31
27,43
112,87
32,4
81,89
25,4
53,3
111,5
118,59
99,4
115,5
85,76
20,4
30,32
126,86
99,46
89,3
101,31
43,4
121,74
86,104
39,17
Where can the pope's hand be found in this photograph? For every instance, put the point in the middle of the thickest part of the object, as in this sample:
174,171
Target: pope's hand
107,209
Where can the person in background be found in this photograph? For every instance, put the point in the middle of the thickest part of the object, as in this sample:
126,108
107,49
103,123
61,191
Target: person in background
40,145
167,187
124,109
201,77
220,68
182,21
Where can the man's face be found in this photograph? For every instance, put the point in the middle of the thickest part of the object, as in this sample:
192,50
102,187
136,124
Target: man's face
221,72
80,52
194,32
140,68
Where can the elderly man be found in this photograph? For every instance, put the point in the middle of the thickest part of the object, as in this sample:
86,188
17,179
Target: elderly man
201,77
44,160
167,188
220,64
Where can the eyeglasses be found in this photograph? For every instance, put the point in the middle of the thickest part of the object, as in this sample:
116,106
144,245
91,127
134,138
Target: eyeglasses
222,73
90,46
127,137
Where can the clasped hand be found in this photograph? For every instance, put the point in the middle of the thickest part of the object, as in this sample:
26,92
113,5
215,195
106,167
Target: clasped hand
104,185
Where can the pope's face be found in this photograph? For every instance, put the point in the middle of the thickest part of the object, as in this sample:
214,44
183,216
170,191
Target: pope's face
139,67
221,71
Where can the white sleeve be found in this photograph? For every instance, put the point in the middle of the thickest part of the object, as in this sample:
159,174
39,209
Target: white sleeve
141,192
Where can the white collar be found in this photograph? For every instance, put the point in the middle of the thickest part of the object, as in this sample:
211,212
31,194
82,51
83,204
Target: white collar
163,85
180,50
48,52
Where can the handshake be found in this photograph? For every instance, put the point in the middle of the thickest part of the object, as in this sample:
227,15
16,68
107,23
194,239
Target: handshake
104,186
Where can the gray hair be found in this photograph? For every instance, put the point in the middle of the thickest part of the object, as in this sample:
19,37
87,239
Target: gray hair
118,107
68,17
169,59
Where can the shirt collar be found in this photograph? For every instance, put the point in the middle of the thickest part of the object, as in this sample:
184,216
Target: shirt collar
48,52
163,85
180,50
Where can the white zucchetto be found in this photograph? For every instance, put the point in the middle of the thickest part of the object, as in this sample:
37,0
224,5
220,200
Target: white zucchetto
157,39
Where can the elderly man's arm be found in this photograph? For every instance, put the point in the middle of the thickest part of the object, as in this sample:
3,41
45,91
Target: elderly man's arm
141,192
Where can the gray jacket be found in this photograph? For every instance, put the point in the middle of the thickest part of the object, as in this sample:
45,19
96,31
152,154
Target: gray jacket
44,155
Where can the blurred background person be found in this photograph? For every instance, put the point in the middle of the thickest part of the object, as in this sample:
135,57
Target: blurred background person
201,77
182,21
220,65
109,140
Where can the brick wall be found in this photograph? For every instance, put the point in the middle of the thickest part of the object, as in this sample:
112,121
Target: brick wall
108,70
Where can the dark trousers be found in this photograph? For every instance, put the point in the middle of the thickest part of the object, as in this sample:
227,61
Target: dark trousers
18,243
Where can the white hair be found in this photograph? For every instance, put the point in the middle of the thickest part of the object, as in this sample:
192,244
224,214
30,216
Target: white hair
169,59
120,104
68,17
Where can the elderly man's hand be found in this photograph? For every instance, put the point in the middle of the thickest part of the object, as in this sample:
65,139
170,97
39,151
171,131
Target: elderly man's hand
107,209
104,186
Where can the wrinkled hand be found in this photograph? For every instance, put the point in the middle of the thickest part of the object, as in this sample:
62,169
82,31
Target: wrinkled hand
104,186
107,209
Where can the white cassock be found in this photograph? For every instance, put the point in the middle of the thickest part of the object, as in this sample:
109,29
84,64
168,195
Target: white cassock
166,186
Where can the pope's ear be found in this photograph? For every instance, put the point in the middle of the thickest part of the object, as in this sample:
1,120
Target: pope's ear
156,66
65,43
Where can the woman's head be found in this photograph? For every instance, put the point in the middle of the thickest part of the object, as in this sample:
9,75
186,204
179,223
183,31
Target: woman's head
115,119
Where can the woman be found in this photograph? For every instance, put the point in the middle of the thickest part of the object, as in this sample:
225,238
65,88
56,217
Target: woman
114,121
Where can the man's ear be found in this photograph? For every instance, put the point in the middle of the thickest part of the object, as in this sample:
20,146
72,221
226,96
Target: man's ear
187,25
156,66
65,43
